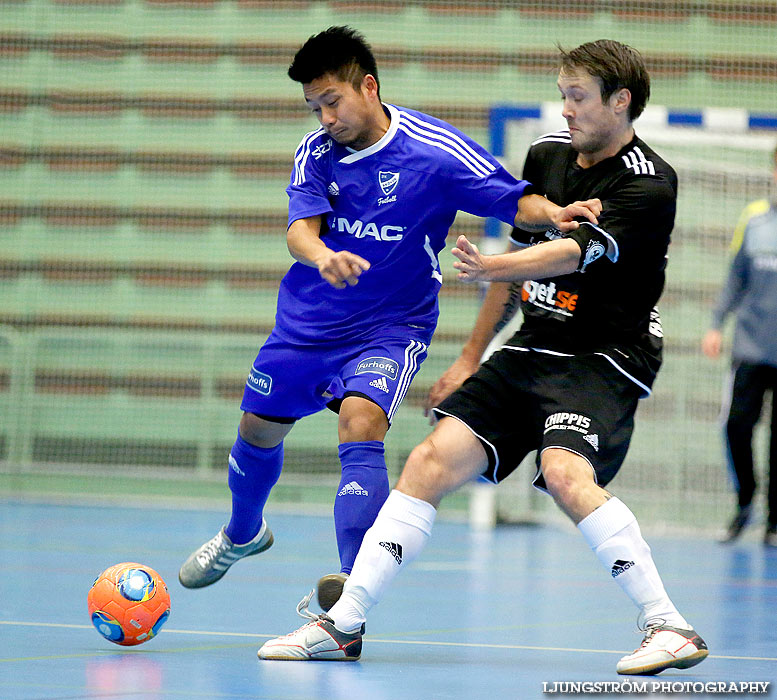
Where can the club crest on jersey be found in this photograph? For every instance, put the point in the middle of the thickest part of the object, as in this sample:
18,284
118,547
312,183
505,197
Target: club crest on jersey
388,181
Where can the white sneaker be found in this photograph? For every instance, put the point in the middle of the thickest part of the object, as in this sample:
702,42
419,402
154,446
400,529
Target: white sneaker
318,640
664,647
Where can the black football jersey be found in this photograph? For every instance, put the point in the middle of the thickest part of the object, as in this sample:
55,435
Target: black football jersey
608,305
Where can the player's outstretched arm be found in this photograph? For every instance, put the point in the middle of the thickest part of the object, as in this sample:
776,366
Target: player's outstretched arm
340,269
559,257
536,213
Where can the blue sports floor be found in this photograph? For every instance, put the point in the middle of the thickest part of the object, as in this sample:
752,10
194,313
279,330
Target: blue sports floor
478,616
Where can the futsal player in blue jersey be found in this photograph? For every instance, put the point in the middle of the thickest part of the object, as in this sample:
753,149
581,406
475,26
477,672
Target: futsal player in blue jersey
373,193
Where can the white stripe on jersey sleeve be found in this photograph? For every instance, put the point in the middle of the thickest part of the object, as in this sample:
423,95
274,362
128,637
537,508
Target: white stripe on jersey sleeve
446,133
635,160
650,168
631,162
456,154
443,136
555,136
301,155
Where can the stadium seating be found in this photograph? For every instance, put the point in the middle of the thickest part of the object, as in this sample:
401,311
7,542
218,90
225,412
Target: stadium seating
144,150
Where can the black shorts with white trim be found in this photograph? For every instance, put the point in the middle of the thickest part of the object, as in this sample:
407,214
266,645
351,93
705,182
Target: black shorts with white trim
522,400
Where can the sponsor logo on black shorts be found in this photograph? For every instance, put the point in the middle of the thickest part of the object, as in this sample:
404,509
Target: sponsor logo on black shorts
592,440
379,365
564,420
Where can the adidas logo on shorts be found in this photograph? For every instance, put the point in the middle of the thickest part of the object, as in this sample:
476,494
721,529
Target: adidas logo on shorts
394,549
380,383
620,566
592,440
353,489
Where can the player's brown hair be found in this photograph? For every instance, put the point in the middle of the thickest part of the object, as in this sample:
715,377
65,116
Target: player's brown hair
616,66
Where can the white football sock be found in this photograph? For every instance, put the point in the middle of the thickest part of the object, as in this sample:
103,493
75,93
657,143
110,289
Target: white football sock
399,533
614,535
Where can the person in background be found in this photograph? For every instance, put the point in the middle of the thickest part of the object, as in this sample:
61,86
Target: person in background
750,293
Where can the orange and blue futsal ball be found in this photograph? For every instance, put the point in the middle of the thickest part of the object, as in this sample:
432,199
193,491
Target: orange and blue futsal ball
129,603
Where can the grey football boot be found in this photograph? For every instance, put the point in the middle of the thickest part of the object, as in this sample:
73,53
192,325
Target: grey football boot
210,562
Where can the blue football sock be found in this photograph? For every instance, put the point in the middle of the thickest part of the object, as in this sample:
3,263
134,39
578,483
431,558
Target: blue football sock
363,488
253,471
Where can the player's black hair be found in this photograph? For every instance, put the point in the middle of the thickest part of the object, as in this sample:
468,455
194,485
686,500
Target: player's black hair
341,51
616,66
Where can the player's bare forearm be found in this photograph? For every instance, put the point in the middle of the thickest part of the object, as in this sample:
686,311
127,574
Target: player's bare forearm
559,257
339,268
509,305
303,239
495,312
536,213
497,309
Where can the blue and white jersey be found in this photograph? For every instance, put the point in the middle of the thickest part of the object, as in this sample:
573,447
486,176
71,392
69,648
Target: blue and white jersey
393,204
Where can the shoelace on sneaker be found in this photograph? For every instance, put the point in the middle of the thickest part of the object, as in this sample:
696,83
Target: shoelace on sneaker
644,626
302,607
649,634
302,611
649,630
212,550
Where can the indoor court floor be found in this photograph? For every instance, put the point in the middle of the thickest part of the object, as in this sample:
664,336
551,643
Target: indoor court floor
499,615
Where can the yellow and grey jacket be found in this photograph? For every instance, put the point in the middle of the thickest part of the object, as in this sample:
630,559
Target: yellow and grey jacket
750,291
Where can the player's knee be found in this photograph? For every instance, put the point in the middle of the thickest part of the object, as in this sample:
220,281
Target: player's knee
424,475
562,473
365,421
423,458
261,432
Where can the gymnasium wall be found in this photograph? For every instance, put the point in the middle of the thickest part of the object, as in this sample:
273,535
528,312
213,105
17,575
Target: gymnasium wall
145,146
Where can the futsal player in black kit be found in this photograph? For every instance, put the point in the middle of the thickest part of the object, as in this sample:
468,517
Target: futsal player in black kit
567,383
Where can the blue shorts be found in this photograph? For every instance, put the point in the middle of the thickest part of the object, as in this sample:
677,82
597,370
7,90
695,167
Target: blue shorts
290,381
